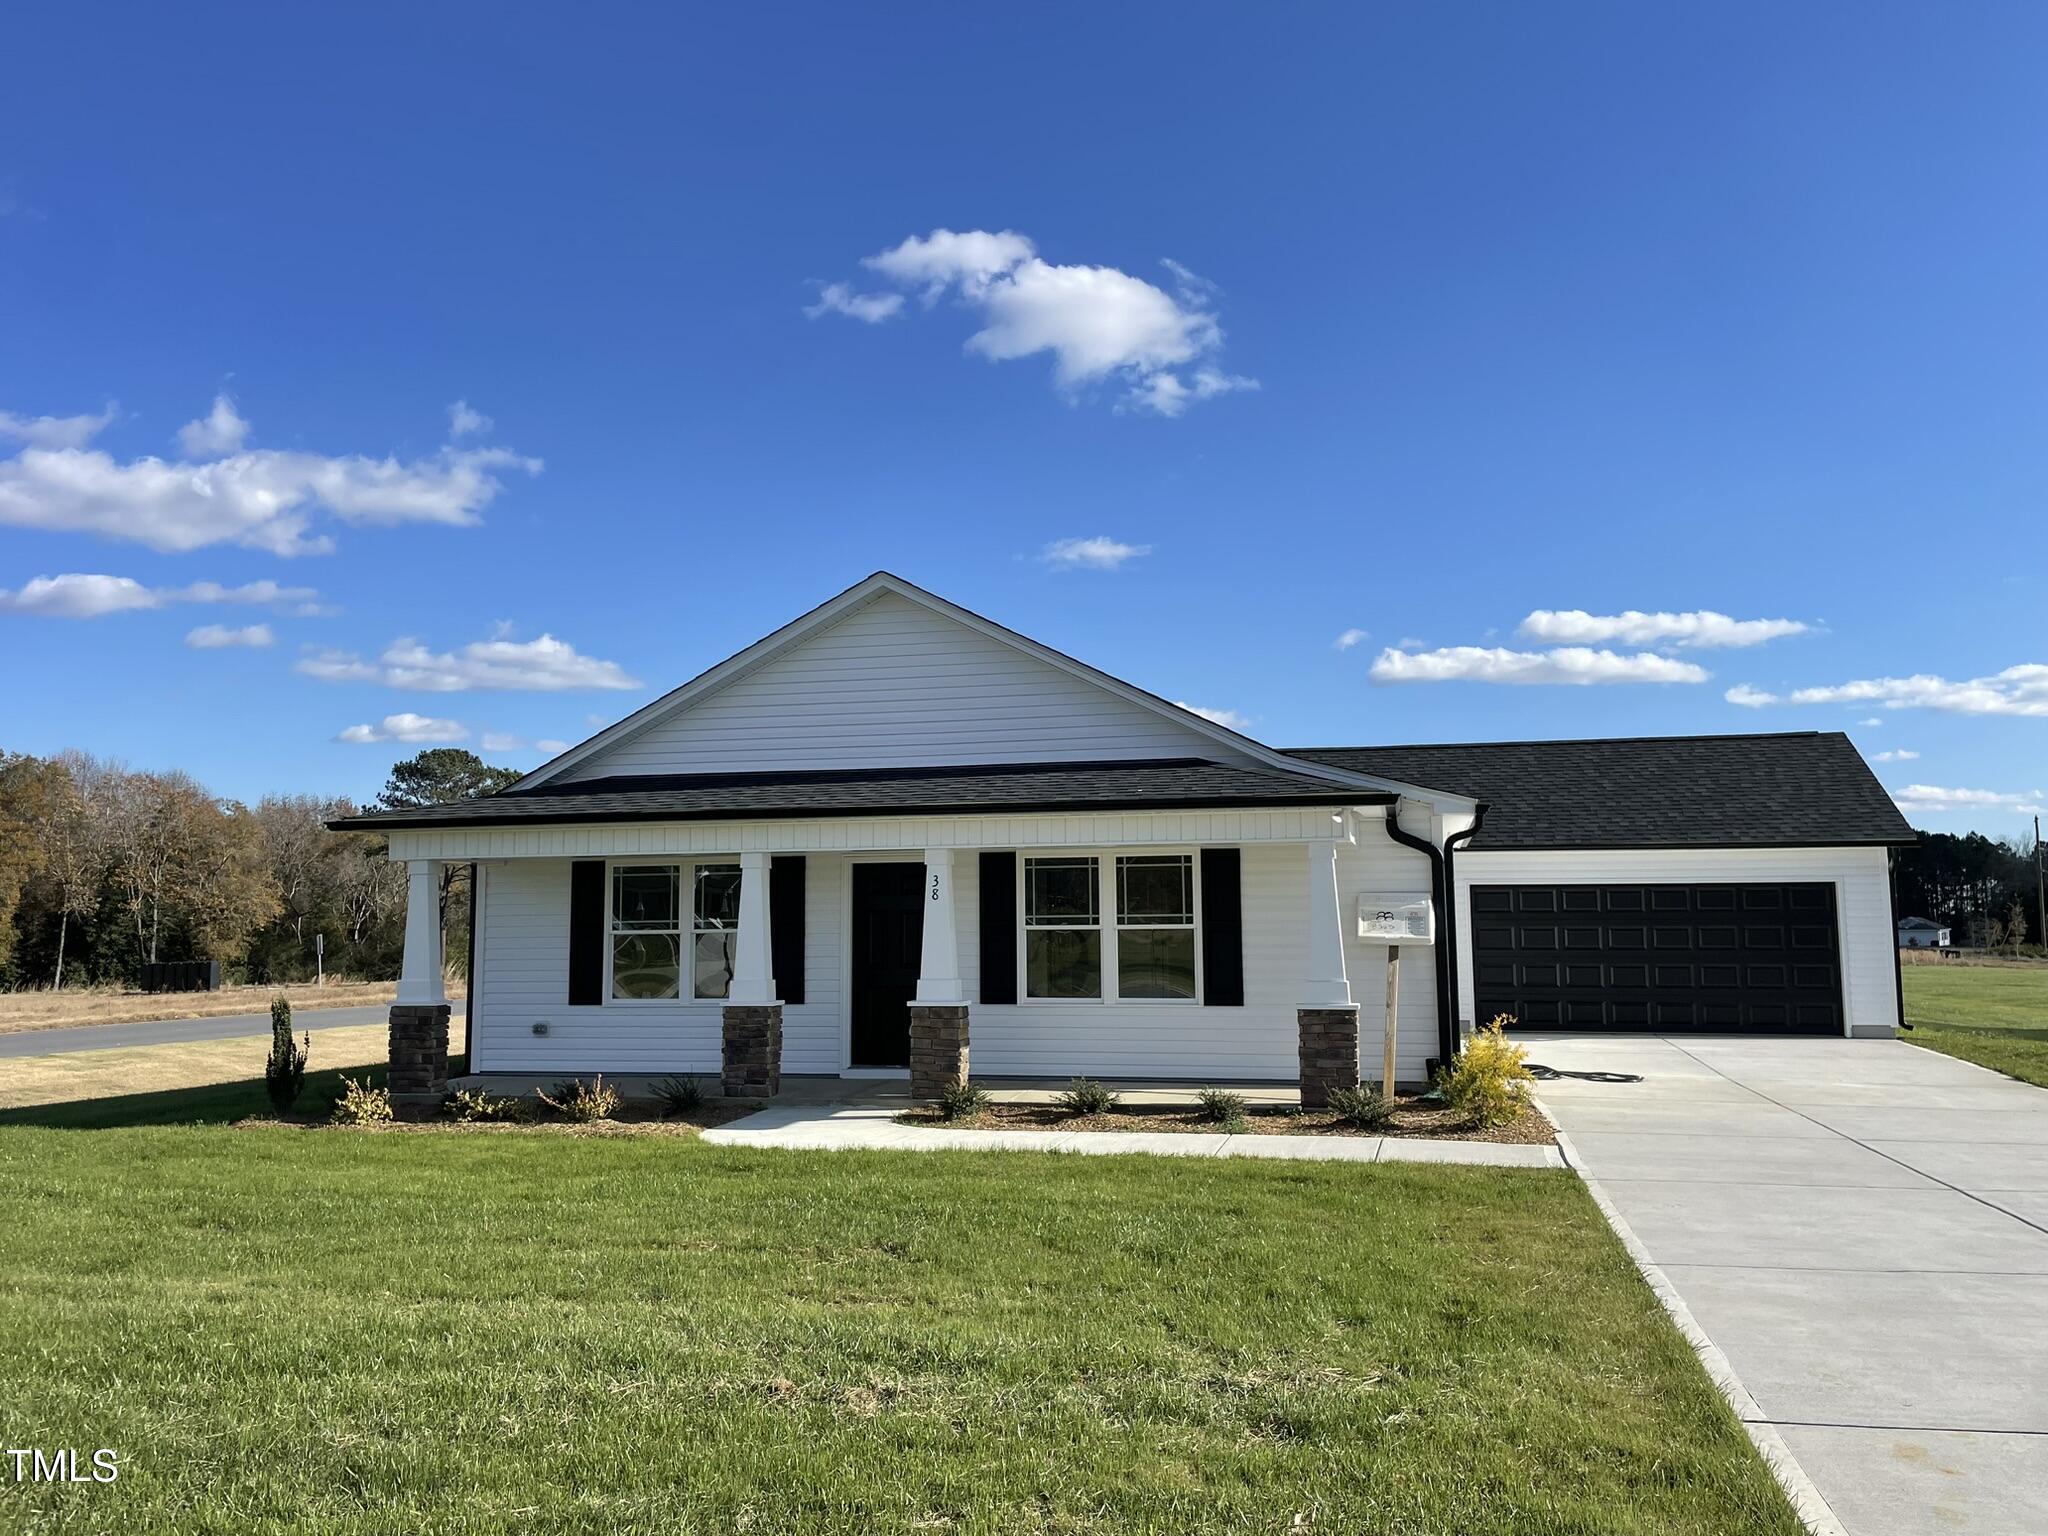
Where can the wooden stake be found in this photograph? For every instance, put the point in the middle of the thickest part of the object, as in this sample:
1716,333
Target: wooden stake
1393,1004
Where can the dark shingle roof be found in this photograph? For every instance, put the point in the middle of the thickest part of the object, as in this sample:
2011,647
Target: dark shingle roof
1175,783
1807,788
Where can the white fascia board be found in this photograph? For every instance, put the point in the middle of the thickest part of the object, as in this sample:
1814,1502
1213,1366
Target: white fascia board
862,592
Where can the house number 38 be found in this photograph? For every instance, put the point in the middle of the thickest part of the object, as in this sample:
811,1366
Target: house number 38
935,886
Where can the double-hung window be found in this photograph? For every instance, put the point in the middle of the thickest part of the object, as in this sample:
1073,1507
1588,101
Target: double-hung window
649,926
1062,927
716,916
1155,925
647,939
1146,951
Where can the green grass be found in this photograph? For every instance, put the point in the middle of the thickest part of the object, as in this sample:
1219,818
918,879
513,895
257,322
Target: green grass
1994,1015
301,1330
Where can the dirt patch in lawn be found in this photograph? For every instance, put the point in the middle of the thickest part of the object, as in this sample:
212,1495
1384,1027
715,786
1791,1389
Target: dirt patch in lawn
1412,1117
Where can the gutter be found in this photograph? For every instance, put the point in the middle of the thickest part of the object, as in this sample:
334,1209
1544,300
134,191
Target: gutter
1446,1032
1451,846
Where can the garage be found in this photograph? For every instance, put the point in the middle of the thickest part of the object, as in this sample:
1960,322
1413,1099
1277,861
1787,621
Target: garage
1752,957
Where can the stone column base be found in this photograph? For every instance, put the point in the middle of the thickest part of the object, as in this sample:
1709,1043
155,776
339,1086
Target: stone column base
419,1053
753,1050
1329,1053
938,1048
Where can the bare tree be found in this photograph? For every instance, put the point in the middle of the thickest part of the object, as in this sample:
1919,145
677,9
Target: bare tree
76,844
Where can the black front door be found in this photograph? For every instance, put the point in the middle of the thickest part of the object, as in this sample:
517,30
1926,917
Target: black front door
888,947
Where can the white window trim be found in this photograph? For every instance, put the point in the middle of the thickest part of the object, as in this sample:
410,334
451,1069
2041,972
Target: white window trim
686,916
1107,926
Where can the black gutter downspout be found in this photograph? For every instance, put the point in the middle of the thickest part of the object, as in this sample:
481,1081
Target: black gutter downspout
1446,1033
1451,846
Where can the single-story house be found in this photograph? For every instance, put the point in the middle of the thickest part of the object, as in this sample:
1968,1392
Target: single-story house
894,836
1921,933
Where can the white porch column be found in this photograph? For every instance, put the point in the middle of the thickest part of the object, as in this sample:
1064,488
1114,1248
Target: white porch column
752,981
1326,985
419,980
938,972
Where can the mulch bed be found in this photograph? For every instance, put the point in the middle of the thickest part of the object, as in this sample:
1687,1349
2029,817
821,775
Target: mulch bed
635,1117
1411,1118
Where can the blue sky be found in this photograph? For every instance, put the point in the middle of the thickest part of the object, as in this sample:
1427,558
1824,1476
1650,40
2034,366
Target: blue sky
1414,321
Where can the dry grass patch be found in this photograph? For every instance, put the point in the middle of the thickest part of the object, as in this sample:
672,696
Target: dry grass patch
41,1008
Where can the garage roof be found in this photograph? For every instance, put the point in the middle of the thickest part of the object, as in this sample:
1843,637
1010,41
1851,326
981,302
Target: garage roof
1795,789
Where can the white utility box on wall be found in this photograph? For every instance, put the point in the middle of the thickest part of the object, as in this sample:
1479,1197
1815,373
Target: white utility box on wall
1396,918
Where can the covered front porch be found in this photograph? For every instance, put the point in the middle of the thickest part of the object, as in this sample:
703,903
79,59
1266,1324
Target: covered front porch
797,957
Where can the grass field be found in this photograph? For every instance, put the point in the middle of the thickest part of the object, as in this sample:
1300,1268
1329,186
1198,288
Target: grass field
1994,1015
297,1330
41,1008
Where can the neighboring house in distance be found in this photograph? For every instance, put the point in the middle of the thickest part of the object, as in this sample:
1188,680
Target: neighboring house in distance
1920,933
894,833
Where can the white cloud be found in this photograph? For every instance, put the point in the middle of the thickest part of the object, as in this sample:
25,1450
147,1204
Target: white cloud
1871,720
840,299
77,595
1096,554
54,431
1352,637
2020,690
407,727
552,747
213,637
1230,719
503,741
1097,323
1494,664
1701,628
261,498
1748,697
546,665
1933,798
1899,755
466,421
216,434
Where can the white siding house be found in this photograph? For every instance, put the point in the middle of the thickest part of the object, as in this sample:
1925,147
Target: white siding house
894,834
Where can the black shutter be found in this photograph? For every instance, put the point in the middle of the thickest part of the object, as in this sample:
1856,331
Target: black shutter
586,932
786,925
1222,928
999,927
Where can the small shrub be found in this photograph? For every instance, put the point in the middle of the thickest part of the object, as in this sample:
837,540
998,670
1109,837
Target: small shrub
1085,1096
1489,1082
473,1105
679,1096
578,1099
1363,1108
961,1101
1220,1106
284,1075
362,1104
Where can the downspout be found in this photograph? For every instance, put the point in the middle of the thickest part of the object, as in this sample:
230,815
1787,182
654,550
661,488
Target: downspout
1451,846
1891,871
1446,1033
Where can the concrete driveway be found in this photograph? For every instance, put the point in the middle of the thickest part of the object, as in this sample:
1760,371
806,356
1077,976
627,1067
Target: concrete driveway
226,1026
1861,1226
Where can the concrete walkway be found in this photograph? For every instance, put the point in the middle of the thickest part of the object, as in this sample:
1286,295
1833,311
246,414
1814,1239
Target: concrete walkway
111,1037
841,1127
1861,1229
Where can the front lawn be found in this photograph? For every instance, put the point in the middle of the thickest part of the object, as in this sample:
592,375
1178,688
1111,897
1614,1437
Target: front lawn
1994,1015
329,1330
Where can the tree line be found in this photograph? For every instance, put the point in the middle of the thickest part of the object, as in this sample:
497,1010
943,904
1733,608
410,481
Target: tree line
1980,888
104,869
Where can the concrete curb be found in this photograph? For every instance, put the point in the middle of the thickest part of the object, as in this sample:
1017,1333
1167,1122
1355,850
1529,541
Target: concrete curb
1807,1502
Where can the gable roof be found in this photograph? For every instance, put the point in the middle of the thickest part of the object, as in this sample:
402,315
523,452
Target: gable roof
1920,924
1796,789
1148,784
771,646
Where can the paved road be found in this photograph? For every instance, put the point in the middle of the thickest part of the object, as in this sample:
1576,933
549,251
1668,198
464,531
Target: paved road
107,1037
1861,1226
